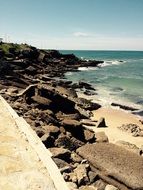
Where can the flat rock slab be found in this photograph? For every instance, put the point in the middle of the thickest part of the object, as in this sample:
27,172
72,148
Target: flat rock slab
116,162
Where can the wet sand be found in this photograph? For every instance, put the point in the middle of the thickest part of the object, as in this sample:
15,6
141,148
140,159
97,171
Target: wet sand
115,118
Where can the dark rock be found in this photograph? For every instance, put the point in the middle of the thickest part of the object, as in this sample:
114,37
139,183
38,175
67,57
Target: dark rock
48,140
31,70
139,112
87,104
66,169
59,103
85,85
124,107
89,93
40,132
47,119
1,53
74,127
31,53
101,123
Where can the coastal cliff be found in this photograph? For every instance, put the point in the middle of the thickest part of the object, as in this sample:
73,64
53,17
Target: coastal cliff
32,81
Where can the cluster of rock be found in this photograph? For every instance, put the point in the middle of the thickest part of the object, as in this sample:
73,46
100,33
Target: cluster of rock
134,129
51,106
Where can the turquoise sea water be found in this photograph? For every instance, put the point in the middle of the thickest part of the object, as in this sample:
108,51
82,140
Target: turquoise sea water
120,78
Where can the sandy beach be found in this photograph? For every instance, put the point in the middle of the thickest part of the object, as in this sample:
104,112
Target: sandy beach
115,118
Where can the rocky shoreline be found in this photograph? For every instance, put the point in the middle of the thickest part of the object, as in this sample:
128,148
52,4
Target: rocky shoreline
31,81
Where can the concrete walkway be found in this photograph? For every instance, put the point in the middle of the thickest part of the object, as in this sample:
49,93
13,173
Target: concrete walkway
25,163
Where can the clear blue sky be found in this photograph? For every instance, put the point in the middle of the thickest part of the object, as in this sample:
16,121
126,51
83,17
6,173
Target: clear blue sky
73,24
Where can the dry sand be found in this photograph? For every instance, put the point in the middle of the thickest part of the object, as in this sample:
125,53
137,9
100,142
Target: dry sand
115,118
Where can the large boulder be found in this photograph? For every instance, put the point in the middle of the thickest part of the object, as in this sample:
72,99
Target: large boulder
59,102
115,162
87,104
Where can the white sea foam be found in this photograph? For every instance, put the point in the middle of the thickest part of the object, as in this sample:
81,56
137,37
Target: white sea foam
110,63
69,73
87,68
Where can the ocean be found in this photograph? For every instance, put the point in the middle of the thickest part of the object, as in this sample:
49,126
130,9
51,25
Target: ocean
118,80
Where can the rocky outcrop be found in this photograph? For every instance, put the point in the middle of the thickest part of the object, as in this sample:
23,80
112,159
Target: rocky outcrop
124,107
134,129
115,162
52,108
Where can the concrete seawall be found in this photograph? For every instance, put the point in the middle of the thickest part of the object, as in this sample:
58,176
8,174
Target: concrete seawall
25,163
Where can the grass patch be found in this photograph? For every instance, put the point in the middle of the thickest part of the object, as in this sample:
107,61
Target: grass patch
6,46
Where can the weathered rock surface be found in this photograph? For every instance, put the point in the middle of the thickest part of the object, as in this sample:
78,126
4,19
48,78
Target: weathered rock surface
86,104
81,173
110,187
90,187
101,137
89,135
116,162
61,153
129,146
